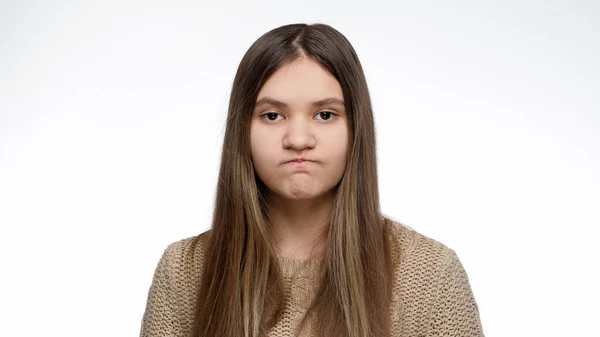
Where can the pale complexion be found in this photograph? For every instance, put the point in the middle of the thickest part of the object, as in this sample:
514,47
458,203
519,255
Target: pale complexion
300,112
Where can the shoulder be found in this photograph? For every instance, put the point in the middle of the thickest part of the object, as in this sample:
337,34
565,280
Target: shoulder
431,290
421,264
176,279
188,246
186,256
409,247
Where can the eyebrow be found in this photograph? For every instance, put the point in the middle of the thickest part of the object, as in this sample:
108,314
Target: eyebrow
272,101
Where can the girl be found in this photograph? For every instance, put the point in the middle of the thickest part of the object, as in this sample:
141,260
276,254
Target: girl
298,245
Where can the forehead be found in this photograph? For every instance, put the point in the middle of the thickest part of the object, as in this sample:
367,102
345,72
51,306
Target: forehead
301,81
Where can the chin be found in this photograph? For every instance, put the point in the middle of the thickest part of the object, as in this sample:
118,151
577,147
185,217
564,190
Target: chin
300,191
303,194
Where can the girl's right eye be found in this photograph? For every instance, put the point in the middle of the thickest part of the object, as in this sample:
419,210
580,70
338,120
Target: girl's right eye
271,116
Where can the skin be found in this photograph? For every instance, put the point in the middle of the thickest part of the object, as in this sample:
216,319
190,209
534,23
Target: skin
300,196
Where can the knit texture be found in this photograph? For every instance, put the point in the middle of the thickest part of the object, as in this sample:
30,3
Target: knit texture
431,291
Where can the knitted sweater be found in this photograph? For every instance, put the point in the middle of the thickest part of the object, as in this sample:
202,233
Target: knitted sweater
431,291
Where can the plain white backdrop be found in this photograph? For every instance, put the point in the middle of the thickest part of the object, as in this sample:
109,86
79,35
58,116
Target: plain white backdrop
112,116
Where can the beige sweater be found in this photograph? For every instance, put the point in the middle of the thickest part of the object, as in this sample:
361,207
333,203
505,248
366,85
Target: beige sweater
431,297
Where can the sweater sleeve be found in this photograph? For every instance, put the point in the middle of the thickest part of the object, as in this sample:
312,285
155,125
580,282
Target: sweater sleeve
159,317
455,312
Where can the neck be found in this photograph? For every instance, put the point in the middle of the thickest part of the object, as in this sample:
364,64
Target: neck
300,226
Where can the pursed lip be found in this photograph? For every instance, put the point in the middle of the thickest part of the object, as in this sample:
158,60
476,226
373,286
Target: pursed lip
298,160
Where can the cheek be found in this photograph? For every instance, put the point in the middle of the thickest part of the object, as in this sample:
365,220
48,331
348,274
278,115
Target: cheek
338,146
259,147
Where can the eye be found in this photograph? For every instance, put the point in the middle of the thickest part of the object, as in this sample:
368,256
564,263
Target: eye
271,116
326,115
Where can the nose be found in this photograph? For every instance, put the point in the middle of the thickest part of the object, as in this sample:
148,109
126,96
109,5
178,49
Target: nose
299,135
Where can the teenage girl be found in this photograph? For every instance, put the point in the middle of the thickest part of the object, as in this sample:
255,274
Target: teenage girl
298,245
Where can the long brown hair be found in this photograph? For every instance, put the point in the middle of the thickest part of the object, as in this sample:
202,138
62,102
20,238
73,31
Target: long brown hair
240,292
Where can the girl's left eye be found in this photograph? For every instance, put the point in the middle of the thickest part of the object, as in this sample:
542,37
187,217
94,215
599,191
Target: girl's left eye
325,115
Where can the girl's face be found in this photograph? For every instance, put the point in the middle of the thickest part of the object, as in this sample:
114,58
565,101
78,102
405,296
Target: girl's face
299,113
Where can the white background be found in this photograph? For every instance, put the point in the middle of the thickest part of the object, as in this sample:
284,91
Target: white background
112,117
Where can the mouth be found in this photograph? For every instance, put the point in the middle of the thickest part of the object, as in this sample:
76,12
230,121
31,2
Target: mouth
299,161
